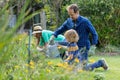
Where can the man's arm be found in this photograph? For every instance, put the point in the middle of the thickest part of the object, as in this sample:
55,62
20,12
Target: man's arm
61,29
94,38
93,32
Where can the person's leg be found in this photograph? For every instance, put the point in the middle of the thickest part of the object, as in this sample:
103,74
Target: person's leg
83,57
100,63
63,55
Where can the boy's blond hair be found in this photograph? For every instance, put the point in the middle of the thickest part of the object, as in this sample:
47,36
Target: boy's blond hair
71,36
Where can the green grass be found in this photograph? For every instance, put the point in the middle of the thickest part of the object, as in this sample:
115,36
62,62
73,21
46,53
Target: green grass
42,68
114,67
111,74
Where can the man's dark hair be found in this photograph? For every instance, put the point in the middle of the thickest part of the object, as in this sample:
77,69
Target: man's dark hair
74,7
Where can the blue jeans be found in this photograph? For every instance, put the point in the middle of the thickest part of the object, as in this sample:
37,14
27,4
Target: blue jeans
83,54
92,66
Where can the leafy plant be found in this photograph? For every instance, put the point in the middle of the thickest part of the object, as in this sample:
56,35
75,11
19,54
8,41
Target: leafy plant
6,33
99,76
105,16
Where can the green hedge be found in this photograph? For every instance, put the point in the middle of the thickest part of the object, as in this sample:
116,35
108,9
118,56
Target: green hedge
105,16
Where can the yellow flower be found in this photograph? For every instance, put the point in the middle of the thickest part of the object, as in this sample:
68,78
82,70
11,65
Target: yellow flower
48,70
65,63
80,70
20,39
70,68
64,66
60,65
77,60
26,71
27,64
50,63
91,60
17,66
32,67
32,63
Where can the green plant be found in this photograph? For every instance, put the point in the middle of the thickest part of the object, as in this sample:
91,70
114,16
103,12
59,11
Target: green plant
99,76
105,16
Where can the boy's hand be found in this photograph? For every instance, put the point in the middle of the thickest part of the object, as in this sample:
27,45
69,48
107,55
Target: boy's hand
69,57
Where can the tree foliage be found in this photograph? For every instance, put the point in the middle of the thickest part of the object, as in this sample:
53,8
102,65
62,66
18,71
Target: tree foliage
6,33
55,11
105,16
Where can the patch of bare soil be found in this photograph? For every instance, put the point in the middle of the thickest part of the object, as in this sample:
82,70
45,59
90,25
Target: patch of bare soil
109,53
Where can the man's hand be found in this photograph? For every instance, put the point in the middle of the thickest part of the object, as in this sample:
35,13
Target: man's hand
51,42
92,50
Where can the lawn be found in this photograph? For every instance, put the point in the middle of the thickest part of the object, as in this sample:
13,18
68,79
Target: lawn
111,74
16,67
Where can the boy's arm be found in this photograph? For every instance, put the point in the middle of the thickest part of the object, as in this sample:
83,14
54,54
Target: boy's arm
63,46
63,43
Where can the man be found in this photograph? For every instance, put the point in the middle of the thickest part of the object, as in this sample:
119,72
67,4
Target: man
83,27
74,53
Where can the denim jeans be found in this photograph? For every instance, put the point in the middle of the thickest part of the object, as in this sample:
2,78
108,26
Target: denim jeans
92,66
83,54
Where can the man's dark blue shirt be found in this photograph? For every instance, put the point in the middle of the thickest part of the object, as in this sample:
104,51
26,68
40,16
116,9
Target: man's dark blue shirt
83,27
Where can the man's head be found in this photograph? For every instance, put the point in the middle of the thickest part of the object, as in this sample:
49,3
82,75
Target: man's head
73,11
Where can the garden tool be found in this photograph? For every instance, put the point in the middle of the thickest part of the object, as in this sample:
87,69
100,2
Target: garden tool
52,51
